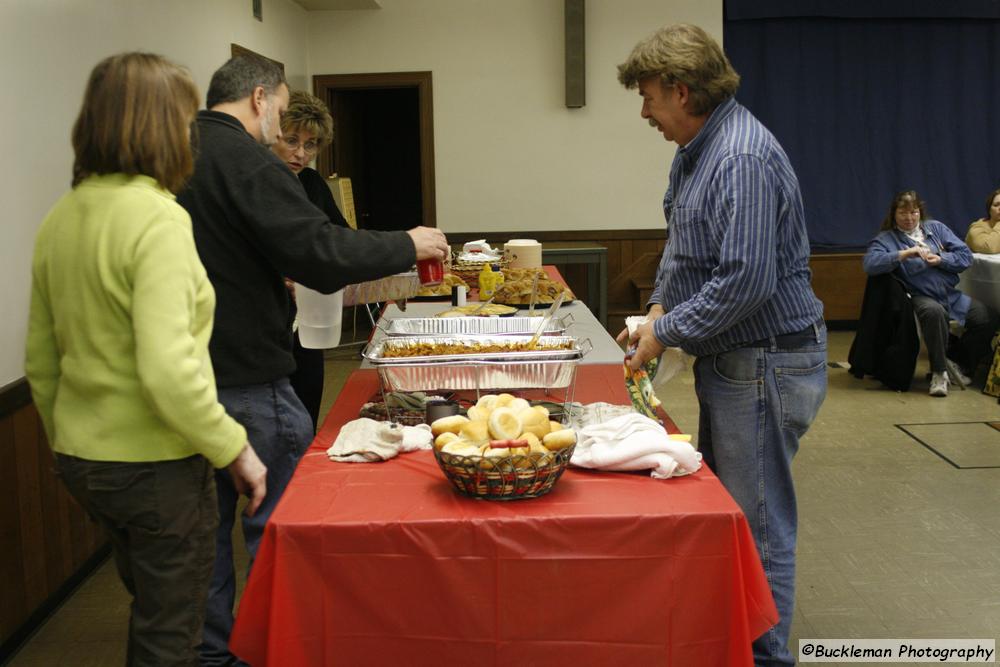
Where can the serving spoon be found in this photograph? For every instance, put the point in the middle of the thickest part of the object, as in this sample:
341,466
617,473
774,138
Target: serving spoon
545,320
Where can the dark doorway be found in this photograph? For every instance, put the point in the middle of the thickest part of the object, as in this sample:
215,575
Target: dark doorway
383,142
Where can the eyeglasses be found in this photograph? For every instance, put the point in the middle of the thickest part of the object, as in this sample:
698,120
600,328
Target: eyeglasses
292,141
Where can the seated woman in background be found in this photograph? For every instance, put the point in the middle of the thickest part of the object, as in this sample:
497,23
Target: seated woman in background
927,257
306,127
117,352
984,234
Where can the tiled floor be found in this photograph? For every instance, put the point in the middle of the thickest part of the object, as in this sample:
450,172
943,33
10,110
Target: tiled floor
894,541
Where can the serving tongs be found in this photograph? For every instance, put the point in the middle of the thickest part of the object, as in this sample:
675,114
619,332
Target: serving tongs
545,320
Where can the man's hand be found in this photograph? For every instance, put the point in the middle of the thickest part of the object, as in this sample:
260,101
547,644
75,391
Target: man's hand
430,243
646,346
249,477
655,311
932,259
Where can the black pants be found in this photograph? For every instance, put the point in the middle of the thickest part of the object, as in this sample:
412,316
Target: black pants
980,326
161,518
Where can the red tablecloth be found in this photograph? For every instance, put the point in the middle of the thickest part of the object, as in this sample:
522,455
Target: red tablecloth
382,564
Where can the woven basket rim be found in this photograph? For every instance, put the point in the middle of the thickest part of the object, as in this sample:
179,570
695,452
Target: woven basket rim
504,479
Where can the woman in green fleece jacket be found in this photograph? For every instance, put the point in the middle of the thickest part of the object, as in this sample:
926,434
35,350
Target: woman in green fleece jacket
117,351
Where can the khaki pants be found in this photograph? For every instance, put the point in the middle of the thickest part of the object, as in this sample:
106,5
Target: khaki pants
161,518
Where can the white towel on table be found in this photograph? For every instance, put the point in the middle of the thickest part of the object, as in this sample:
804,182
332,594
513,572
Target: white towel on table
366,440
634,442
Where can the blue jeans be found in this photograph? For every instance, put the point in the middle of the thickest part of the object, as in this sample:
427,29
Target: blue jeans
755,404
280,430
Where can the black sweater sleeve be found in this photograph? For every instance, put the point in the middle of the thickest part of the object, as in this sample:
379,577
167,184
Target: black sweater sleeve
301,242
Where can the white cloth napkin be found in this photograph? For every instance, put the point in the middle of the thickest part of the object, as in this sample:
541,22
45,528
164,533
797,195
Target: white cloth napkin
634,442
366,440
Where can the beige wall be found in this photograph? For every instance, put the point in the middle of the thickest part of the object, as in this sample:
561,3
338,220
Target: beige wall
47,48
508,154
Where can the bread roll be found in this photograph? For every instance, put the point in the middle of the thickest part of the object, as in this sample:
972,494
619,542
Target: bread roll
460,448
444,439
487,403
476,413
504,424
555,426
475,432
537,451
534,421
491,454
451,424
560,439
520,456
503,400
518,405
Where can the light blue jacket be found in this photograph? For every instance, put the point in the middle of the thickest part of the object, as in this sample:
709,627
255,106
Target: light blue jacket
937,282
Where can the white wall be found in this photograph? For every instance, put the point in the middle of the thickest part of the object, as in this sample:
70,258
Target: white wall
48,48
509,156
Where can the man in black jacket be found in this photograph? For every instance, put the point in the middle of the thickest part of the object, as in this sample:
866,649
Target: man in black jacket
253,225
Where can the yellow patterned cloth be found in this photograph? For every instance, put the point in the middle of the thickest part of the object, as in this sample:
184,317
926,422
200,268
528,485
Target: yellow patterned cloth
992,387
640,388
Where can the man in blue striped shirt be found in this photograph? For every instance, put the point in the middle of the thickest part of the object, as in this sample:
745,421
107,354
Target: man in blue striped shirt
733,289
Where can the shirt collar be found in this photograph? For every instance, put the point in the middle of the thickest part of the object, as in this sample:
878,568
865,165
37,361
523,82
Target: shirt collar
690,152
223,119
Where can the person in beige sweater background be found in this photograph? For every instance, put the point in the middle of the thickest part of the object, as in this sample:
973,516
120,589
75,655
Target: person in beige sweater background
117,352
984,234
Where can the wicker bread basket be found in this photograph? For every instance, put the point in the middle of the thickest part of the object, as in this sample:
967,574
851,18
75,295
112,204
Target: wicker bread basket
509,478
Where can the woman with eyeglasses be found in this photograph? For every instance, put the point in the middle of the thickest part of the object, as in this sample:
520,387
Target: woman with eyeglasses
926,256
306,127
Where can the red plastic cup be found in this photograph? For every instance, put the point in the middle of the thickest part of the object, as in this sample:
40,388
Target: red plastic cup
430,271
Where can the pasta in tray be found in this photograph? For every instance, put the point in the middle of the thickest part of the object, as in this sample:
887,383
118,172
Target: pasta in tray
437,348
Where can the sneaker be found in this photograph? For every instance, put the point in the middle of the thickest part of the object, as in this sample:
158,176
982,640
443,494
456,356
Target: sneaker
956,375
939,384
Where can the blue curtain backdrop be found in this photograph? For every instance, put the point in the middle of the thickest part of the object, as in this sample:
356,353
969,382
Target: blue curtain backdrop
868,99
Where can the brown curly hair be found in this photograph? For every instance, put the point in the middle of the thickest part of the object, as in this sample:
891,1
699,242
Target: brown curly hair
683,53
307,113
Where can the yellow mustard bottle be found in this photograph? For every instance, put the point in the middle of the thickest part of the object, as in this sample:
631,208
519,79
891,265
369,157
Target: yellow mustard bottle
487,282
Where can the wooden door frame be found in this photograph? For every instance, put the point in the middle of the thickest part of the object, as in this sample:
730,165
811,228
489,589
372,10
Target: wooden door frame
324,84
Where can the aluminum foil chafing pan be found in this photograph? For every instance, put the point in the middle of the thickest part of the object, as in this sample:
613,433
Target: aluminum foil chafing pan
546,367
474,326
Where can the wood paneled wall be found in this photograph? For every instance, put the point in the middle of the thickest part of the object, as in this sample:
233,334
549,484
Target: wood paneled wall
839,282
46,538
